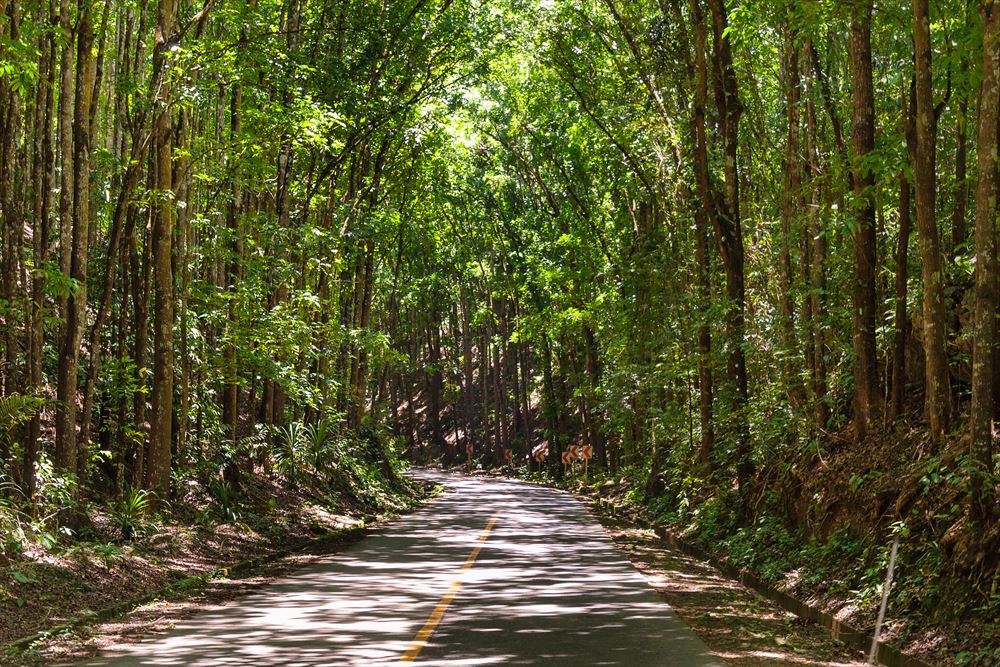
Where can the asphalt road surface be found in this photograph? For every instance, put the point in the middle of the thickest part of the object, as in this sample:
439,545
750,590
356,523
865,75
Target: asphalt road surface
491,573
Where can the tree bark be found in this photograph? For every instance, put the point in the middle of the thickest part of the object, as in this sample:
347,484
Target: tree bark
938,388
703,213
959,229
110,274
67,455
162,400
231,390
43,175
11,211
65,449
817,277
981,491
900,326
594,372
866,396
791,189
729,236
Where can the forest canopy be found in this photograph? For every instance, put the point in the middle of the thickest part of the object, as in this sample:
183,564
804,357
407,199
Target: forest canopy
719,242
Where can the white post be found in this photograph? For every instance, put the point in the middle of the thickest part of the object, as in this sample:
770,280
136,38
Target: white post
885,601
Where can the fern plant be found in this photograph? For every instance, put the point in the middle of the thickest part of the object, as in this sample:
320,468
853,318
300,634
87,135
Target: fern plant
289,455
129,514
225,499
16,409
320,443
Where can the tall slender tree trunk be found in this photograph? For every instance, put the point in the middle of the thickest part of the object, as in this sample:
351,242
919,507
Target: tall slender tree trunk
65,129
791,190
12,217
468,369
231,390
86,75
981,491
67,456
162,400
65,449
959,228
183,179
435,382
594,372
141,271
42,183
524,359
900,326
938,387
118,230
729,235
866,396
484,384
703,212
817,277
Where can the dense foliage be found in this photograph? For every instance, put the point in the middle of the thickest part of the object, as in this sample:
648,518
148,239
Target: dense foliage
720,242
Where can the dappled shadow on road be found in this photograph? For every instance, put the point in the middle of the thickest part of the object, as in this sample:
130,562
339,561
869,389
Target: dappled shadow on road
550,589
547,588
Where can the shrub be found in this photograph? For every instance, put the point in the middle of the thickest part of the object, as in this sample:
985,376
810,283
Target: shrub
129,514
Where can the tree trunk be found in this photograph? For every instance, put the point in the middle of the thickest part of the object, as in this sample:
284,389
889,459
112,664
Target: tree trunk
981,491
162,400
900,326
959,229
938,388
817,277
703,211
729,235
42,182
183,179
65,449
866,396
790,206
67,456
435,382
12,217
110,274
468,369
141,272
593,360
231,389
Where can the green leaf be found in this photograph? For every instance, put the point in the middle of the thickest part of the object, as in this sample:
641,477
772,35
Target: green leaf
22,578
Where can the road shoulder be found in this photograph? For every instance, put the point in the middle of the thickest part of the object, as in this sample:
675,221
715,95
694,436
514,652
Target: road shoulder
737,624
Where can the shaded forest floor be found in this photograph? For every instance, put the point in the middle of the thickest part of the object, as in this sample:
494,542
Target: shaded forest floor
180,563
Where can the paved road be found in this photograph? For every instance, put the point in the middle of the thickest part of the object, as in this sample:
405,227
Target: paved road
491,573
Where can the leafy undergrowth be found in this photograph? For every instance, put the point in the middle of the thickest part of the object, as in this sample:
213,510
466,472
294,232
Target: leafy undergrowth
51,573
821,528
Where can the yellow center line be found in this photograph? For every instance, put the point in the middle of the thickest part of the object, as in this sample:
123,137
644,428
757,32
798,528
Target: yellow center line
430,626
